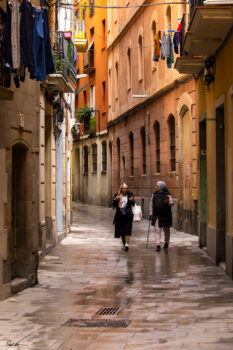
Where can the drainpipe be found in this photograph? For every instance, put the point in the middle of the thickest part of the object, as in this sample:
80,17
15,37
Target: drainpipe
149,157
67,173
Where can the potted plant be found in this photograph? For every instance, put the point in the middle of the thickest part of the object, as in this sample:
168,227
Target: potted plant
68,34
84,116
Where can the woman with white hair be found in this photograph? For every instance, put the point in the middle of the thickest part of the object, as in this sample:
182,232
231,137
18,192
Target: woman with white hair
123,201
161,213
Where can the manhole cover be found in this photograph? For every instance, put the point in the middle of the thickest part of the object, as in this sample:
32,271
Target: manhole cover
108,311
116,323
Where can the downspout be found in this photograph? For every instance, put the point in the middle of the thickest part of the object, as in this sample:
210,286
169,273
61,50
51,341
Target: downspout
66,175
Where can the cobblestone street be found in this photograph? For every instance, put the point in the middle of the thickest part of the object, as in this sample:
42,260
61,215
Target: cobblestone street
175,300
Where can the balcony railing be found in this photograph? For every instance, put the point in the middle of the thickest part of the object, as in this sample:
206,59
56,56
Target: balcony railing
63,55
89,59
193,5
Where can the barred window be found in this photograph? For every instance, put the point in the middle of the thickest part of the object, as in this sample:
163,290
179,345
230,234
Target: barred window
85,159
94,158
157,146
131,152
104,156
172,142
143,149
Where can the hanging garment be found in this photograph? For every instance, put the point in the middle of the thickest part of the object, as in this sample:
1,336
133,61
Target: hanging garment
75,54
47,44
176,42
2,55
163,47
38,47
15,34
7,37
156,47
170,58
168,47
26,35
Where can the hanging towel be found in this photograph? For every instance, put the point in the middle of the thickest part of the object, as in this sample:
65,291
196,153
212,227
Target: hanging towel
15,34
163,47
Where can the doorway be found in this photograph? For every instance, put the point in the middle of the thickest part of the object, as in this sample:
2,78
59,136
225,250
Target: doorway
203,185
220,186
19,211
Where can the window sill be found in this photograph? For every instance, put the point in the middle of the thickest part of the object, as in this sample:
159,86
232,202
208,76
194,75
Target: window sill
157,174
104,172
85,173
94,172
143,175
172,173
131,177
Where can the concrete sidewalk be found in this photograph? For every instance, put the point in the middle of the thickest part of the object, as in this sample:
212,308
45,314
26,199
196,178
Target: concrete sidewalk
174,300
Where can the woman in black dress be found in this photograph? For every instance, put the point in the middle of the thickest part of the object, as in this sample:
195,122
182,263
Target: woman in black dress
123,201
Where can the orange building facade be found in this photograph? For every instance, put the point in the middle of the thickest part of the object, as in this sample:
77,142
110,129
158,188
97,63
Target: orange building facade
91,151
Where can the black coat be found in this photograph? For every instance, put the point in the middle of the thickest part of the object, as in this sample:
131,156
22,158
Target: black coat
123,223
161,210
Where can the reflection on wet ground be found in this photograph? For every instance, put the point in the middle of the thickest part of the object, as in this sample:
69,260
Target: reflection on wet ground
176,299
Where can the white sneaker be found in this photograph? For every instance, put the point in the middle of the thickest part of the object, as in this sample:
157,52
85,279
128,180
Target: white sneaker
126,247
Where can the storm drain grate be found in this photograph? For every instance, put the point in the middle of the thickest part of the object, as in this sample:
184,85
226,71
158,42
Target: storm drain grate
105,323
108,311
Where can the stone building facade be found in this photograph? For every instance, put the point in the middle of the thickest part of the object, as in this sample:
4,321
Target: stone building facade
91,150
151,112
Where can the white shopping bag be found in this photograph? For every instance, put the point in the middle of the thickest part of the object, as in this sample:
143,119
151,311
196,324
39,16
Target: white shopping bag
137,213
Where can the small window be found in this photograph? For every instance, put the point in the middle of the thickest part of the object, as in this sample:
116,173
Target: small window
131,152
92,97
103,32
129,68
117,79
104,156
104,93
143,150
85,160
172,142
140,59
85,96
157,146
94,158
91,8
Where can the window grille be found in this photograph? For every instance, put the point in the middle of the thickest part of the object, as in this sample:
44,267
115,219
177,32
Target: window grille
94,158
104,156
85,159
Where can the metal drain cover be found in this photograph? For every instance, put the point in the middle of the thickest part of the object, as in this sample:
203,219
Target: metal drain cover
106,323
108,311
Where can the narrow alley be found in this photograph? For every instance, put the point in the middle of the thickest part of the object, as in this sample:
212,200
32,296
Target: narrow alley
174,300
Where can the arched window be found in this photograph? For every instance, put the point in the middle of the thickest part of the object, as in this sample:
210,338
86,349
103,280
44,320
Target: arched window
117,79
172,134
104,156
94,158
131,153
168,18
153,32
157,146
85,160
143,149
129,68
140,59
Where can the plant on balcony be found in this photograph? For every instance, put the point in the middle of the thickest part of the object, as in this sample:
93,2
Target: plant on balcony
93,123
59,63
84,116
75,130
70,53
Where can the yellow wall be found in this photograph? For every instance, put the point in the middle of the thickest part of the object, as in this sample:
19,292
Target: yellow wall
207,99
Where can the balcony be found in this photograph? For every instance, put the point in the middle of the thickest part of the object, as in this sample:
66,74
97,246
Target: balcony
88,59
64,79
208,28
6,93
80,40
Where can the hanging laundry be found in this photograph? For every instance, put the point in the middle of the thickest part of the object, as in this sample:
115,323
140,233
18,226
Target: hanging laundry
47,44
163,47
156,55
176,42
15,34
170,57
26,35
38,47
7,37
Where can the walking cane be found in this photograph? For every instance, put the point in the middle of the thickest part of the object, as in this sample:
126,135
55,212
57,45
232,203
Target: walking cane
148,233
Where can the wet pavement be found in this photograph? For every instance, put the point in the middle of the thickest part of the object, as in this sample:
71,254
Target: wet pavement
173,300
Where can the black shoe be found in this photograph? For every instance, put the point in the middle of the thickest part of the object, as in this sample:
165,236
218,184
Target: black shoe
165,246
158,248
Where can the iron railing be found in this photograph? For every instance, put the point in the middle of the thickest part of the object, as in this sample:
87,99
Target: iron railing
63,54
193,4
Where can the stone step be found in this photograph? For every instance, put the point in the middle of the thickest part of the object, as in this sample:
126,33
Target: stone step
18,284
